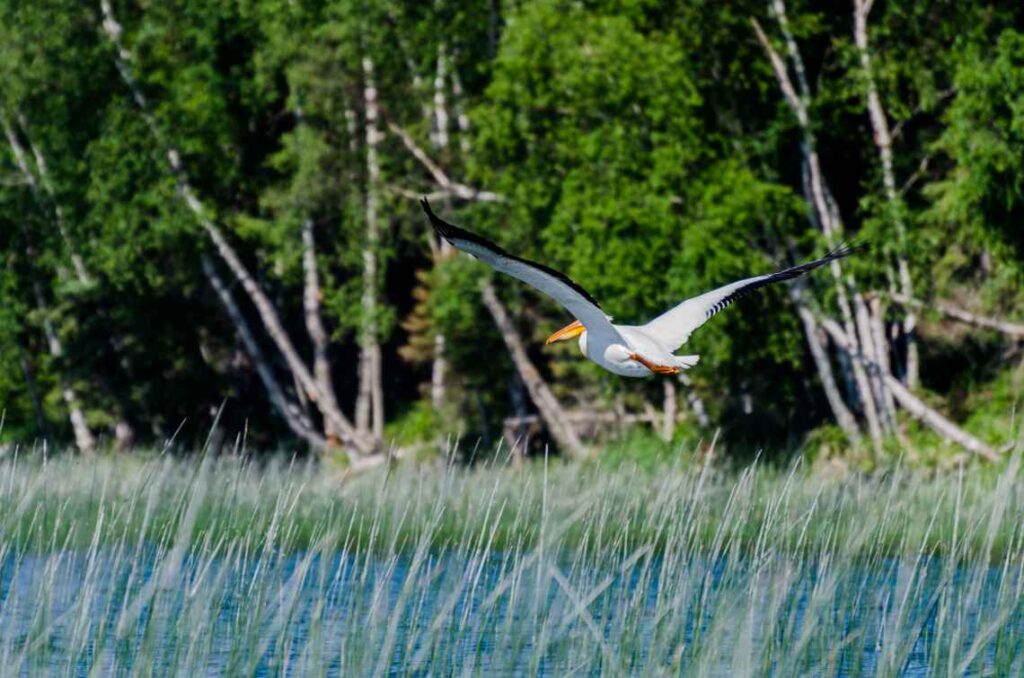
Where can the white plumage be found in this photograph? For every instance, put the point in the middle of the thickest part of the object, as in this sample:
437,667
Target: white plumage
627,350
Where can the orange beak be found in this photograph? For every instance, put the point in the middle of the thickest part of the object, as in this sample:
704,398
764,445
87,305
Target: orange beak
570,331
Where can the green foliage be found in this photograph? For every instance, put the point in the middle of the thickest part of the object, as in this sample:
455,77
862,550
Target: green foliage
642,147
980,202
647,453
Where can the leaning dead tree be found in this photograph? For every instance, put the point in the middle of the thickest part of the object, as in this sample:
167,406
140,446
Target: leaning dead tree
358,445
859,337
85,441
36,175
911,403
547,404
296,419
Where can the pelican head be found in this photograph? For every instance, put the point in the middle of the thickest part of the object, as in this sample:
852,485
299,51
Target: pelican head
570,331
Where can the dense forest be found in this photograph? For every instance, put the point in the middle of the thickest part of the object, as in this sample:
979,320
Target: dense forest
208,211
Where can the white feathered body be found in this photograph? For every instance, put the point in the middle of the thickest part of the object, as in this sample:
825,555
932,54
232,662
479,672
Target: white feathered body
613,353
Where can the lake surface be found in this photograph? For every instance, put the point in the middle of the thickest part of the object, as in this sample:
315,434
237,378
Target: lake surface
113,612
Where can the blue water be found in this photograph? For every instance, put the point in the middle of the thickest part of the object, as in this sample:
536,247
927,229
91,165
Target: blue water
267,614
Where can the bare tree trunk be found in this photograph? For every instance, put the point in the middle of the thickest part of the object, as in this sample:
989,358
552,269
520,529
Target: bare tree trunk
440,141
911,403
84,440
840,411
438,374
695,402
40,185
439,133
866,336
1010,329
668,410
371,387
33,392
81,272
883,141
267,313
461,118
547,405
300,425
275,329
311,296
123,430
876,315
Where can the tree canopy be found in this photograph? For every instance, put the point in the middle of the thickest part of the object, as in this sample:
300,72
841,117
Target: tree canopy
211,208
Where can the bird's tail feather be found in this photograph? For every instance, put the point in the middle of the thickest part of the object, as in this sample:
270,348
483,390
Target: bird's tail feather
687,361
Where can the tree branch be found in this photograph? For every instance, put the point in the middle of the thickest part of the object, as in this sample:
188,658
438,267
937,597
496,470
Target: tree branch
1010,329
442,179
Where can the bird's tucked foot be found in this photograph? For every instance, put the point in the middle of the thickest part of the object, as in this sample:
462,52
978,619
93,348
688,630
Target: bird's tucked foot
654,367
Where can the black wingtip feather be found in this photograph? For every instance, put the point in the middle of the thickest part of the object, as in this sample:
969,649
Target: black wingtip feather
839,252
450,232
845,249
441,227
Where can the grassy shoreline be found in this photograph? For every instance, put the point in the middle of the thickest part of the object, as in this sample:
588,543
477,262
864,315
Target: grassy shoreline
220,566
72,503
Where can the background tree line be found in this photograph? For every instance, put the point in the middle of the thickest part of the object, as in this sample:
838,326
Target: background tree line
207,203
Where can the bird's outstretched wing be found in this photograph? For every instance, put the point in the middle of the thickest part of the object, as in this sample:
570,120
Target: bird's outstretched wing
556,285
674,327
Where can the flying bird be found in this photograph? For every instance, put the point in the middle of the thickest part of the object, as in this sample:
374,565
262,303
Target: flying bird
627,350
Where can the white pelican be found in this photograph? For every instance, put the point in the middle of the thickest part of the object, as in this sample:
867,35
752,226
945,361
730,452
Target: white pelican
628,350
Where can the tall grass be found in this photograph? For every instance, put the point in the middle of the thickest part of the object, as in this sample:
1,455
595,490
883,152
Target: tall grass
223,567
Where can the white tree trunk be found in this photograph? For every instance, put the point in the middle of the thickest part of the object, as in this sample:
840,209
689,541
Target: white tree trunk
871,351
43,183
84,439
668,410
547,405
81,272
883,142
818,194
293,416
311,297
439,133
370,410
840,411
876,316
440,141
123,430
